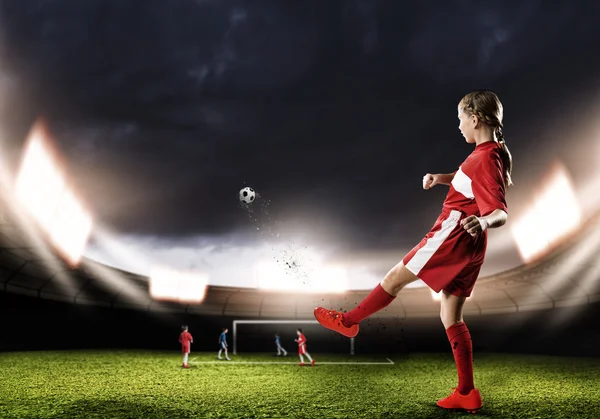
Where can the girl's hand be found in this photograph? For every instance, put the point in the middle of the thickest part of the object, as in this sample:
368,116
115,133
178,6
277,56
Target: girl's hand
474,225
429,181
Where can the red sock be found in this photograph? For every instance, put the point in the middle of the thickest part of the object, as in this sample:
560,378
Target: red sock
462,348
375,301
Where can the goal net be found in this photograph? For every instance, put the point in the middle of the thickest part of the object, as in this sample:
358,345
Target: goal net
259,336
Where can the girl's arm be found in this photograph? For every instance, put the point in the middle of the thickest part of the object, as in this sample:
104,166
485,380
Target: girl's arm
475,225
445,179
429,180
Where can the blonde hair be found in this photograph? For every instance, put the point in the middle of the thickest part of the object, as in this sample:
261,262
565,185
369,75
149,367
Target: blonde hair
486,106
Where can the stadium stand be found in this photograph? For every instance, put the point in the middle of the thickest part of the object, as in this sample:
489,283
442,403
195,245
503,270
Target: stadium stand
27,267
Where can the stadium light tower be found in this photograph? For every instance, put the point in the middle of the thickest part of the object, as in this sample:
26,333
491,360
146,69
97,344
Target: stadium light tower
42,192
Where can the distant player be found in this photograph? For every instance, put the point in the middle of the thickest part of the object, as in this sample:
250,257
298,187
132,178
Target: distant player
450,256
223,344
279,347
302,348
186,339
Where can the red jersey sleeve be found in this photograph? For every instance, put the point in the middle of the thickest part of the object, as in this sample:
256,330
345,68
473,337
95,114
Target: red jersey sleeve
181,338
191,338
488,185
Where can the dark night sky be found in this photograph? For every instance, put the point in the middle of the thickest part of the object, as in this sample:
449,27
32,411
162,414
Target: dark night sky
332,110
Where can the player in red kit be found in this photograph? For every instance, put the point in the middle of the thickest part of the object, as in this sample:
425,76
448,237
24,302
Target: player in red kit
186,339
302,348
449,257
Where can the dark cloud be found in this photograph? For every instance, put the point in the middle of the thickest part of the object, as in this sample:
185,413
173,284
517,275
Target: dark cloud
485,40
332,110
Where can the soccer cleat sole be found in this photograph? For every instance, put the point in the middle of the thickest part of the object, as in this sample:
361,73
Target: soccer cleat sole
458,410
471,403
471,411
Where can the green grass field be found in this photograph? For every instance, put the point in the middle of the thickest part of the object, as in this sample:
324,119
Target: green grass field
128,384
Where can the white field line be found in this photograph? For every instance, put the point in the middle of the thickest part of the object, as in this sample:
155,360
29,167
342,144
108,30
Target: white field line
389,362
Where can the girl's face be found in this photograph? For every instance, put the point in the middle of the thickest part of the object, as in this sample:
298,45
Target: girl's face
298,332
467,126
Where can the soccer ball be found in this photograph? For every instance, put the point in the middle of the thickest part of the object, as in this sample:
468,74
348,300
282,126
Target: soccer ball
247,195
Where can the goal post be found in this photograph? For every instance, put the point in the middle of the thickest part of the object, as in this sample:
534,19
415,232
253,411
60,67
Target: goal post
239,322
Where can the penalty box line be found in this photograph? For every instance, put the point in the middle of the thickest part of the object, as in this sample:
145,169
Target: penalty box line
389,362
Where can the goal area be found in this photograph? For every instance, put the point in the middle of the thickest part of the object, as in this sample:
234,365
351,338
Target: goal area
260,334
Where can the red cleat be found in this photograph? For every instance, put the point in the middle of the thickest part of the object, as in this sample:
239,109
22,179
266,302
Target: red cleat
301,364
471,402
332,319
312,363
185,366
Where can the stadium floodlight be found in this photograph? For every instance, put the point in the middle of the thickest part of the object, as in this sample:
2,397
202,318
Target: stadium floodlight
41,189
179,286
297,322
272,276
554,214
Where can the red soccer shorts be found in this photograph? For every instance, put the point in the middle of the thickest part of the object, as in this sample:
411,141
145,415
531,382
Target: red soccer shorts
185,348
301,350
448,258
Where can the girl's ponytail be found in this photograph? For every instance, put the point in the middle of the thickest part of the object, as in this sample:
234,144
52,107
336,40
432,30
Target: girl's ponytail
507,162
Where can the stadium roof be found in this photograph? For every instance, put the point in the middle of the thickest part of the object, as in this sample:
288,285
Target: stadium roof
568,276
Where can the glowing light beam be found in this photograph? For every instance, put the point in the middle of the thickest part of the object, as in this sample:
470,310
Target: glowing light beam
42,191
178,286
554,214
272,276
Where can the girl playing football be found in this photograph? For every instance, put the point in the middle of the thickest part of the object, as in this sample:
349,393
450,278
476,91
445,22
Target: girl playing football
449,257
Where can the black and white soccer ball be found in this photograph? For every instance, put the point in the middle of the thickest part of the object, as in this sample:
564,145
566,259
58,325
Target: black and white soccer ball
247,195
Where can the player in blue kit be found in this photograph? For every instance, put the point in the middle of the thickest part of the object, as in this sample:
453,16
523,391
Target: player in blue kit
223,345
279,347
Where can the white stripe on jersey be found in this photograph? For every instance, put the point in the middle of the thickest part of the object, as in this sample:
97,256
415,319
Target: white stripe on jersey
422,256
462,183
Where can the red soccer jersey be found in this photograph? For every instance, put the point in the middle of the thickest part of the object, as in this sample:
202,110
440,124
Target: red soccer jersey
478,186
301,340
185,338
